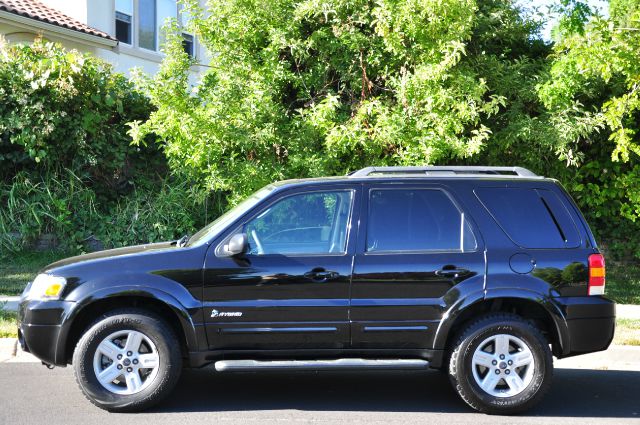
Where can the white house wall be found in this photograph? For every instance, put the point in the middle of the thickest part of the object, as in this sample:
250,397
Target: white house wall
99,14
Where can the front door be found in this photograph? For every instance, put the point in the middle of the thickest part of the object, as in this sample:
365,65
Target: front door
290,290
416,247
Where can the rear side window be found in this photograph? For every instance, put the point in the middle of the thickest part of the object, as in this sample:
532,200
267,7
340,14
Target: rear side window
532,218
416,220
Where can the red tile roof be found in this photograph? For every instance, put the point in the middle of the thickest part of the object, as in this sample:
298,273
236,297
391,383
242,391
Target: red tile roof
35,10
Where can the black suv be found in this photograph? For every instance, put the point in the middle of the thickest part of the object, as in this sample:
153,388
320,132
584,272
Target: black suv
481,272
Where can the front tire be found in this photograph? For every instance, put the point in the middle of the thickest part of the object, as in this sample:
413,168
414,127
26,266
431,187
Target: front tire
127,361
501,364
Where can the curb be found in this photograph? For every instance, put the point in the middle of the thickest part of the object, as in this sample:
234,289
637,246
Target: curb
628,311
8,347
11,352
11,303
616,357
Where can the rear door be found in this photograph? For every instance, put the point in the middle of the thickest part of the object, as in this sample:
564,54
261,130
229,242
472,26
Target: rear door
415,246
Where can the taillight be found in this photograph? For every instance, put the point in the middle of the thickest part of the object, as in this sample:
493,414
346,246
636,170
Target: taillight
596,274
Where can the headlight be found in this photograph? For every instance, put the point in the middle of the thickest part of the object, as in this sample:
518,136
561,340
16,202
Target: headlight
46,287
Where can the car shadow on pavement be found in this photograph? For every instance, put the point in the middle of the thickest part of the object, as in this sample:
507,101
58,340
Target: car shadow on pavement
574,393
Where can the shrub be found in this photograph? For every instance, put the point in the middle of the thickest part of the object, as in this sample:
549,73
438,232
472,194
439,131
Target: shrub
60,205
152,215
62,110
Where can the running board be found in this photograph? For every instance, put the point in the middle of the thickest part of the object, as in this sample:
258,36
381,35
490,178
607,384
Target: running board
245,365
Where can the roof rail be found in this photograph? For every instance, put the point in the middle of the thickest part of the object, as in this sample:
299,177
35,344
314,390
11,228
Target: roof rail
443,169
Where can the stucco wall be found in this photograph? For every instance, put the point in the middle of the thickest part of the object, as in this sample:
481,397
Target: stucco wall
99,14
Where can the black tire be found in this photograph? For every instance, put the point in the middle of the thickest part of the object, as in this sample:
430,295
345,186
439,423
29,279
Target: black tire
168,369
461,371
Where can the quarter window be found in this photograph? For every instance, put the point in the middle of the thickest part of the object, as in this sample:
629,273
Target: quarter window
416,220
532,218
307,223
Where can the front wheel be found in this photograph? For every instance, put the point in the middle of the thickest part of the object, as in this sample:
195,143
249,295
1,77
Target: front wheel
501,364
127,361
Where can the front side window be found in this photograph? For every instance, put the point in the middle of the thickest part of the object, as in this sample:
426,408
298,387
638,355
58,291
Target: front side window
416,220
306,223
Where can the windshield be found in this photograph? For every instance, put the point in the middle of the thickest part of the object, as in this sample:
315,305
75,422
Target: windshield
219,224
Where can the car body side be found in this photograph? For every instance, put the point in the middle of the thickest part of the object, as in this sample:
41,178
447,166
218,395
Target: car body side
172,280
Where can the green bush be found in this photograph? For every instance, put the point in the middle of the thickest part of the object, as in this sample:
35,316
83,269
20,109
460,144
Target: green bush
149,216
61,109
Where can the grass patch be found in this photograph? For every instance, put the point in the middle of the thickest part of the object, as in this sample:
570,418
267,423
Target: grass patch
627,332
8,326
623,282
16,270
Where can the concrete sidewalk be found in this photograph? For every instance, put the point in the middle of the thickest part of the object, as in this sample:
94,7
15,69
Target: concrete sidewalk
11,303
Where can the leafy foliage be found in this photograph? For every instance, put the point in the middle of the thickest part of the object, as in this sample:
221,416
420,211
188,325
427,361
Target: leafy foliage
67,166
592,96
306,88
63,110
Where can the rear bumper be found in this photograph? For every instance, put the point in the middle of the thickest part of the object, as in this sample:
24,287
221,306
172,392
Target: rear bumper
39,328
591,323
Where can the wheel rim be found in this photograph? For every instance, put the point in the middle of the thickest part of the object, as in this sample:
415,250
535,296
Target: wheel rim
503,365
126,362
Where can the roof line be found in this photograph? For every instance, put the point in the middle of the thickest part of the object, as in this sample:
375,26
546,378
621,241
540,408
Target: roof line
63,32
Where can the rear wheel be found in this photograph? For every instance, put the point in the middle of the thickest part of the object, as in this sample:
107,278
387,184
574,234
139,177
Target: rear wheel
127,361
501,364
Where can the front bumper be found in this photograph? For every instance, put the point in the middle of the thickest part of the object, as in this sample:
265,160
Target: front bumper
591,323
39,327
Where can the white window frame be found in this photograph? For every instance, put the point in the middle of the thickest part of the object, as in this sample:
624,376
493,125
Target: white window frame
133,23
135,29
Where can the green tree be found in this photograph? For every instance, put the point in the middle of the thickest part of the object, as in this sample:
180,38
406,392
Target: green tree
592,96
304,88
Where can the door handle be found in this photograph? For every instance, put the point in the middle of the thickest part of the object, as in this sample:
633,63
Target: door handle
451,272
321,275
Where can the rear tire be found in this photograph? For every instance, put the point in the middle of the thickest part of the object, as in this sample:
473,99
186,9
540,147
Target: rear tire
127,361
501,364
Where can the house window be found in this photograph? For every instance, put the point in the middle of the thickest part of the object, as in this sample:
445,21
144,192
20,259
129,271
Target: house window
139,23
147,24
124,21
188,41
187,44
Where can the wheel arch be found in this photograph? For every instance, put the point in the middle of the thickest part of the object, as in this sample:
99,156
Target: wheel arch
530,305
101,302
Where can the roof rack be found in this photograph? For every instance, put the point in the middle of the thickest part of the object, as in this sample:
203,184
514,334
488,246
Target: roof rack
446,170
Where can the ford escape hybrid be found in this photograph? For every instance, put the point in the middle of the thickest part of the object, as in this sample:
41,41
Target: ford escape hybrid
481,272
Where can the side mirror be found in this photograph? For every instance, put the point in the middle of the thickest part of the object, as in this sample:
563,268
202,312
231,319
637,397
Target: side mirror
237,245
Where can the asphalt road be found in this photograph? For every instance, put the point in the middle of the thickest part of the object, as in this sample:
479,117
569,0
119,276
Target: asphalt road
31,394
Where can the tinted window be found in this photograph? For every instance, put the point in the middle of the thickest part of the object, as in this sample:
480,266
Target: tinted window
416,220
532,218
309,223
